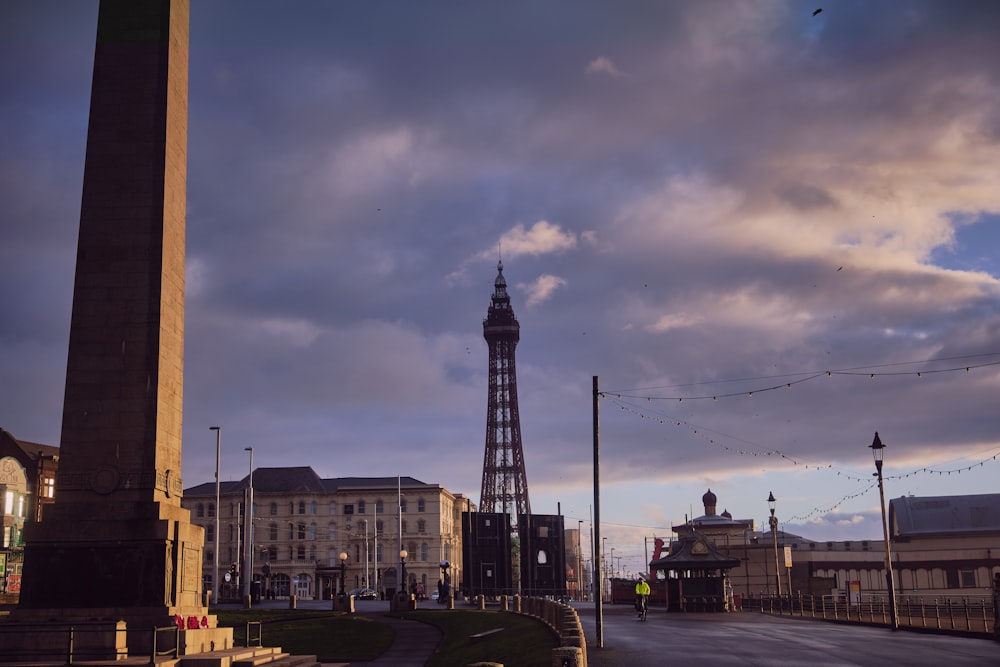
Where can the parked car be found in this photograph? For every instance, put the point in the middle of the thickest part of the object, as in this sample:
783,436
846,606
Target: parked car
364,594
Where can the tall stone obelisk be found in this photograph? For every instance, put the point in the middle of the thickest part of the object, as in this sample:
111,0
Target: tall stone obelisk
117,544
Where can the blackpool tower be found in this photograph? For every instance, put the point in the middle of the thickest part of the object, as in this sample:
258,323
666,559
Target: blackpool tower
505,487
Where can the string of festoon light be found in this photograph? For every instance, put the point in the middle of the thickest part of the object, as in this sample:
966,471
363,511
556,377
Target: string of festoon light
621,398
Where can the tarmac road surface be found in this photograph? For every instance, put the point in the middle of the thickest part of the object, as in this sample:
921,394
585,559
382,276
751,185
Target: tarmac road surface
752,639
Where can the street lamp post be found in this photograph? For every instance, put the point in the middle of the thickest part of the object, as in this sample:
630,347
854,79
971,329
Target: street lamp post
248,532
579,560
215,560
402,573
343,571
877,452
773,521
445,583
367,581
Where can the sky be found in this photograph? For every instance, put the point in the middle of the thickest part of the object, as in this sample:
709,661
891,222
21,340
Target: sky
768,232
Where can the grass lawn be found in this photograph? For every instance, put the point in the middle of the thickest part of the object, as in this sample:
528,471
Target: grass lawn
338,637
330,636
523,641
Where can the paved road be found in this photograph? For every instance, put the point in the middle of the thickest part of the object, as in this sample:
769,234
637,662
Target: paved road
749,639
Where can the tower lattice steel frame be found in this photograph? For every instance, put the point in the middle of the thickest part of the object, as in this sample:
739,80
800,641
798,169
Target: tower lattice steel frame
505,485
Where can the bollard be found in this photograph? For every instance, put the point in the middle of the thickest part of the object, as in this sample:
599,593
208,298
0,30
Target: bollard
247,602
482,602
504,606
567,656
291,602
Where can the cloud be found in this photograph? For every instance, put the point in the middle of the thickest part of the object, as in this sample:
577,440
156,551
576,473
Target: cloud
604,65
542,289
542,238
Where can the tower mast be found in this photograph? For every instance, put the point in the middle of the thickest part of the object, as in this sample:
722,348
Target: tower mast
505,486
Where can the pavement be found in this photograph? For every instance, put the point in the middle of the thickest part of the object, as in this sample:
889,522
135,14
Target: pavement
413,643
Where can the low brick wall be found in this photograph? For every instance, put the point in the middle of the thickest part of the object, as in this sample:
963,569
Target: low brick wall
562,618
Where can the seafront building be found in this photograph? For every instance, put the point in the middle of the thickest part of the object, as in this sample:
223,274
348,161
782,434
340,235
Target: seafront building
302,523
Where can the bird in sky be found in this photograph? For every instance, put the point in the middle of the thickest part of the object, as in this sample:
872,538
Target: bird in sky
817,11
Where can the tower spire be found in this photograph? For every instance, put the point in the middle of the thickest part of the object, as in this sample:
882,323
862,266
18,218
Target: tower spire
505,486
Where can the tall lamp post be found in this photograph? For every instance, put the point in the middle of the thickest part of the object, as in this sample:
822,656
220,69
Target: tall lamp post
877,451
579,560
403,588
215,561
773,521
343,570
248,532
445,583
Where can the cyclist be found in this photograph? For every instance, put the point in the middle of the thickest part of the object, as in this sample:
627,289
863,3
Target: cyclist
641,595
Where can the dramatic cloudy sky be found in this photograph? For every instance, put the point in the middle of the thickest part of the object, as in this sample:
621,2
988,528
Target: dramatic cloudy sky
694,200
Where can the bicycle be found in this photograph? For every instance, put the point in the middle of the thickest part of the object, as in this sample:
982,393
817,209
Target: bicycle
640,606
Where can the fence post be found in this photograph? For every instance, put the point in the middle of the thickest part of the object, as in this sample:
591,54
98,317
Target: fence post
69,647
152,653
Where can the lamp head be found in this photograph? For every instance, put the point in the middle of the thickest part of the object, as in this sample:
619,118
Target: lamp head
877,449
403,554
343,556
771,502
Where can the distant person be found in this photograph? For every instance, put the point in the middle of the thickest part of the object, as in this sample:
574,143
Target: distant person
641,597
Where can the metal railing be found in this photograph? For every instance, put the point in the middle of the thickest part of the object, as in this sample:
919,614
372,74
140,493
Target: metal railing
69,643
253,638
972,614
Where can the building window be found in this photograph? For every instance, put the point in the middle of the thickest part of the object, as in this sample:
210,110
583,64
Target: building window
333,508
361,507
302,507
402,505
200,513
968,578
291,507
301,553
378,527
209,533
348,509
379,506
312,507
211,510
421,526
312,552
302,531
291,531
232,509
209,556
423,551
331,531
420,505
50,487
273,532
312,533
402,525
274,509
